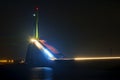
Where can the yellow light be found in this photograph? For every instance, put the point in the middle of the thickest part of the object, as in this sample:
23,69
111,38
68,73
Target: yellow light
37,43
96,58
32,40
12,61
53,59
3,61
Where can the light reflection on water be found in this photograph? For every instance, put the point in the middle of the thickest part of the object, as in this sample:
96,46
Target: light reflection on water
41,73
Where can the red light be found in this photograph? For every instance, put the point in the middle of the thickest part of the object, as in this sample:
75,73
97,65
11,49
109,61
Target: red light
36,8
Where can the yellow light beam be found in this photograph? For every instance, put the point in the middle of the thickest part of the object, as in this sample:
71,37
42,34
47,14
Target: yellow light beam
96,58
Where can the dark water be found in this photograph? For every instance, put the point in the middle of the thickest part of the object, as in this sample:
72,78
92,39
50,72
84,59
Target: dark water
67,70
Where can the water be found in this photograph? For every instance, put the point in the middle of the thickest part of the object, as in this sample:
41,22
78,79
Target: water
84,70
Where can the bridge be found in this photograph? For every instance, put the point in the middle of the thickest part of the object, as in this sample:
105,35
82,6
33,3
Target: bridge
41,54
49,52
82,68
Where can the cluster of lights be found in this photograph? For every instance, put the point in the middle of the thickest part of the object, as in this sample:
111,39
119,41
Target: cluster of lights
6,61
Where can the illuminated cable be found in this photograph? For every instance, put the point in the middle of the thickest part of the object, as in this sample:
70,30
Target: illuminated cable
39,45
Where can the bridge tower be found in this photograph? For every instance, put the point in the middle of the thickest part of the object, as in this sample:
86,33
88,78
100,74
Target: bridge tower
36,15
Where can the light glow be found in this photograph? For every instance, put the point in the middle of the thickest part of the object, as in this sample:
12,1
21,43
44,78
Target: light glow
34,14
47,52
49,47
44,50
32,40
6,61
36,8
36,43
3,61
96,58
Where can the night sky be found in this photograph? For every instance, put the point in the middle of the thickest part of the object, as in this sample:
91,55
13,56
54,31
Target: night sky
74,27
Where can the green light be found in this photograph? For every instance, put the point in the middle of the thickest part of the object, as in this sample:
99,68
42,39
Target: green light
36,29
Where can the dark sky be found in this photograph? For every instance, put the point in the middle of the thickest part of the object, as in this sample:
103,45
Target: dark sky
74,27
